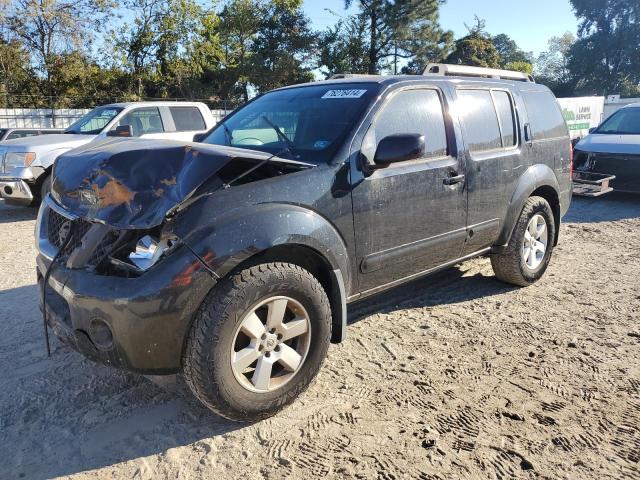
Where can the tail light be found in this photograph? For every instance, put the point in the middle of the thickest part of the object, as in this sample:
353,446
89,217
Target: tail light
571,159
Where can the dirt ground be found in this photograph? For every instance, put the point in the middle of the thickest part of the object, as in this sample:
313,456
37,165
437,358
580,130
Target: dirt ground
453,376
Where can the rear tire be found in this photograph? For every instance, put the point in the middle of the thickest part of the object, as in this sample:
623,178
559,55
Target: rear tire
528,254
225,328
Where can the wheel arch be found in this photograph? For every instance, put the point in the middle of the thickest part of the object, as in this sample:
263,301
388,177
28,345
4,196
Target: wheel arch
537,180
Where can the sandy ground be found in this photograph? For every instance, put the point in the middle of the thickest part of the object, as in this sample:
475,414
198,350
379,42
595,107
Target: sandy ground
453,376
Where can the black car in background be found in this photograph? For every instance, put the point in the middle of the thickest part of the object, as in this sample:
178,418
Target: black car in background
613,150
232,259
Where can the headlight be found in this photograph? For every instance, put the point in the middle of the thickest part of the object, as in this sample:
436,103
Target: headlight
148,252
19,159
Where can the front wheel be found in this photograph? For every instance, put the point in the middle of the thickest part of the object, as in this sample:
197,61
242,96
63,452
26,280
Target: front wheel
528,254
257,341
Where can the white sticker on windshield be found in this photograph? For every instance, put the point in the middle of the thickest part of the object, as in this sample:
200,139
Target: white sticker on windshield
352,93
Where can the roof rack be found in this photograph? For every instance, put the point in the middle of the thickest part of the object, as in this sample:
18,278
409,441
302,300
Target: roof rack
338,76
467,71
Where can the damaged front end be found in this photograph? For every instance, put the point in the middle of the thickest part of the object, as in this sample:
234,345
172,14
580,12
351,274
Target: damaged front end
115,198
116,283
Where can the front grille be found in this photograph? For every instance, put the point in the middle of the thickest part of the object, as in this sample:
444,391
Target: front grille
59,227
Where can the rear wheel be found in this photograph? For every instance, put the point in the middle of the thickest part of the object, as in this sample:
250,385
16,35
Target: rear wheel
257,341
528,254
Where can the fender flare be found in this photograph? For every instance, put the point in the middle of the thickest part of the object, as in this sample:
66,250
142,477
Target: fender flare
240,234
532,179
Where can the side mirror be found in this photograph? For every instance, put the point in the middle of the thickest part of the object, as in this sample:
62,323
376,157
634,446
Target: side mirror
591,130
121,131
198,137
399,148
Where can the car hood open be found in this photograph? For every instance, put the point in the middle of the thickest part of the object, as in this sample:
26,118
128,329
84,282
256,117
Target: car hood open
134,183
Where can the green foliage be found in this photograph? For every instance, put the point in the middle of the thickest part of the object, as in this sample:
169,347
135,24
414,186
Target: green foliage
552,66
605,58
520,66
509,51
476,49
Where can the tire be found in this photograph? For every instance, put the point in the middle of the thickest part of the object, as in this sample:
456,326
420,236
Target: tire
219,327
45,188
515,265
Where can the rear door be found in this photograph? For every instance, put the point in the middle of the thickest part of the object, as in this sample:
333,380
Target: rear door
491,132
407,219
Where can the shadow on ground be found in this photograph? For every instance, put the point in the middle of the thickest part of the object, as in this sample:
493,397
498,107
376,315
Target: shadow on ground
608,208
10,213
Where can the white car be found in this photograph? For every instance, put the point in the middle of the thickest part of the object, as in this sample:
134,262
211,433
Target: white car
25,163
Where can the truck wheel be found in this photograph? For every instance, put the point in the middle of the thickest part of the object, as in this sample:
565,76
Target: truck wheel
527,256
257,341
45,188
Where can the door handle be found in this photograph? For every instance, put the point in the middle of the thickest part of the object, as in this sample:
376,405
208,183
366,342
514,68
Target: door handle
453,180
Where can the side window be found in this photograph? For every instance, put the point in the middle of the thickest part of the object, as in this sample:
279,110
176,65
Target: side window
414,111
545,117
479,120
187,119
142,121
506,114
21,134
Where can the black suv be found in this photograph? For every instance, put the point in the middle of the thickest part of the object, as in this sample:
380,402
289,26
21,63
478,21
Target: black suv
232,259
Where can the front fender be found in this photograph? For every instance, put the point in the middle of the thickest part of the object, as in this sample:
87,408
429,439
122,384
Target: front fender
533,178
241,233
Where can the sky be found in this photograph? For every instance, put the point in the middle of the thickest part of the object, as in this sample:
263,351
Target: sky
530,24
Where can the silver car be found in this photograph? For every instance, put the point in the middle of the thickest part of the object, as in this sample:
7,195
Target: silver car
25,163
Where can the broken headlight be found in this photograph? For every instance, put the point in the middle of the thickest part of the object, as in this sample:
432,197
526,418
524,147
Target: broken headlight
148,251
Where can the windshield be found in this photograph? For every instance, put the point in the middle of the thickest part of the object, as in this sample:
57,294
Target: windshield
2,132
623,122
305,123
94,121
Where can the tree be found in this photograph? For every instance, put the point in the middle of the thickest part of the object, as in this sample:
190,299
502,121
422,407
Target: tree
552,66
605,57
283,48
400,29
476,49
17,78
524,67
48,29
343,48
509,51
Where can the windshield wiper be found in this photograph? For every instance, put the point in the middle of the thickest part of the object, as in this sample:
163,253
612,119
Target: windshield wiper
290,146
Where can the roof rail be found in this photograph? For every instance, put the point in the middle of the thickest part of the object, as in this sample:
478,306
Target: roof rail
337,76
467,71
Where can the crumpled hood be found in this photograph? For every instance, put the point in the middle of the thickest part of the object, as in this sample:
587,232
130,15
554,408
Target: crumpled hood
133,183
604,143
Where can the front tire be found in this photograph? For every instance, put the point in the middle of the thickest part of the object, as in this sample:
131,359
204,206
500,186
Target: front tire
526,258
257,341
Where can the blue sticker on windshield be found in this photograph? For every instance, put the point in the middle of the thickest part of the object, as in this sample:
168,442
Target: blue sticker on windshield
350,93
320,144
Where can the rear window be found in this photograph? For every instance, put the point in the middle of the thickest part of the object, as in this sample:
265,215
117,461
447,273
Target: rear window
506,115
479,120
187,119
545,117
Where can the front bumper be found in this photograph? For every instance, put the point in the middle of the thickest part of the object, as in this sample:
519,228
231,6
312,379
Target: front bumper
149,316
15,186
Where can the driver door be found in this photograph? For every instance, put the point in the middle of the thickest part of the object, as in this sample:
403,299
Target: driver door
409,217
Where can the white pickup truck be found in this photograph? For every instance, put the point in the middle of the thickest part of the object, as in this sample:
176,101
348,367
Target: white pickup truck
25,163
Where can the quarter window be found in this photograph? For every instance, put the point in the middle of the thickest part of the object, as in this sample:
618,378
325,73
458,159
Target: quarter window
506,114
414,111
187,119
143,121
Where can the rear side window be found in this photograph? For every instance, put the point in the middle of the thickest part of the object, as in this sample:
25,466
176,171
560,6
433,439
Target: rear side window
187,119
479,120
143,121
506,115
22,134
414,111
545,117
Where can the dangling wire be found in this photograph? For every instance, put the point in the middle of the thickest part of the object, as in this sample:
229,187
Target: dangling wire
46,281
